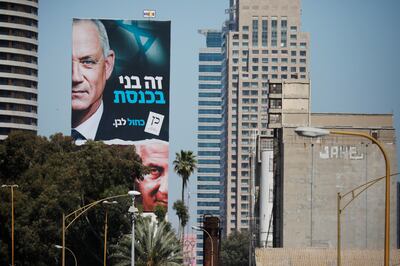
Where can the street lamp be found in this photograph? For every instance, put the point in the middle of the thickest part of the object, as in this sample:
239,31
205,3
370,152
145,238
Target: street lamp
318,132
12,219
69,219
106,204
211,239
61,247
133,210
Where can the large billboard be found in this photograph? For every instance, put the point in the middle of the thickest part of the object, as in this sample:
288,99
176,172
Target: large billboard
120,92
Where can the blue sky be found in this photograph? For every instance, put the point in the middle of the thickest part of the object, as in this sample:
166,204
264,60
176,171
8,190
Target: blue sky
354,58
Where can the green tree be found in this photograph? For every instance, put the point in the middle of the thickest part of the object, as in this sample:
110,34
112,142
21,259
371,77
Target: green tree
183,216
155,245
184,165
235,249
160,212
54,177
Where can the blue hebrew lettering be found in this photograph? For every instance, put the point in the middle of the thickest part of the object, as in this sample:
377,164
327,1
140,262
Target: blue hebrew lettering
161,95
120,99
141,99
130,94
152,97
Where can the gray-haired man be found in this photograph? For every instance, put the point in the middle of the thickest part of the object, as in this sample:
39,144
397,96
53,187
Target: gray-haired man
92,65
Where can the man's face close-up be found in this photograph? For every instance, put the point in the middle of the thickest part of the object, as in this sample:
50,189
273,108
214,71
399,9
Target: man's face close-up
90,70
154,186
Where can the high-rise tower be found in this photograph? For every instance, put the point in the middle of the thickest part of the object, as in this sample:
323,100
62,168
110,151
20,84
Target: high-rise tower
209,131
264,45
18,66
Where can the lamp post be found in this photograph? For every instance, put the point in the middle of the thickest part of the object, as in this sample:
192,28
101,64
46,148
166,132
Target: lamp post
211,239
12,220
61,247
319,132
106,204
133,210
69,219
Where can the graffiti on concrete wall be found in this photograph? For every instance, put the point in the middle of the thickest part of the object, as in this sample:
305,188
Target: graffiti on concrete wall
345,152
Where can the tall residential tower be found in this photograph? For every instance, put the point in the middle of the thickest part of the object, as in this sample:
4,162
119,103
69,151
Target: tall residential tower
18,66
264,46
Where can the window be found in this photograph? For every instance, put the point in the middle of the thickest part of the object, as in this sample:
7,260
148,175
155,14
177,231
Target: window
303,53
292,69
293,53
274,31
264,32
255,32
302,69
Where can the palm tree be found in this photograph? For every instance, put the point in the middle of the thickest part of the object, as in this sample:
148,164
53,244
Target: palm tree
155,245
183,216
184,165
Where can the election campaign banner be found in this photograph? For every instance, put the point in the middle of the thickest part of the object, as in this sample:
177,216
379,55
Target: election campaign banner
120,90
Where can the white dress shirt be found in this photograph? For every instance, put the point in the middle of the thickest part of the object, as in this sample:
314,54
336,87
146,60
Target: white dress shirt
88,129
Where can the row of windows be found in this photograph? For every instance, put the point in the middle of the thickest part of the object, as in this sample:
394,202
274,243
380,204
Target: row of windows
212,212
19,7
207,204
210,57
208,170
210,68
208,178
18,45
210,119
209,161
209,128
208,136
208,103
209,145
208,195
18,70
210,86
18,120
18,82
18,95
209,112
18,57
210,94
18,20
18,107
209,153
213,78
18,33
209,187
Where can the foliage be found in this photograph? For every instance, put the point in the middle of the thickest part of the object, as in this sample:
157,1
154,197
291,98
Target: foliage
235,249
160,212
182,213
155,245
184,165
54,177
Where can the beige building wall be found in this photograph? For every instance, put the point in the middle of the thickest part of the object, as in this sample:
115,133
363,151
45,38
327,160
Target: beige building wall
315,170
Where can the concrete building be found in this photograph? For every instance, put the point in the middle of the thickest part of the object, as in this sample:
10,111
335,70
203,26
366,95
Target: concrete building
209,132
263,43
311,171
18,66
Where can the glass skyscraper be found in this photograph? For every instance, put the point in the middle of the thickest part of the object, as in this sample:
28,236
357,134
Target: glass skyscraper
209,132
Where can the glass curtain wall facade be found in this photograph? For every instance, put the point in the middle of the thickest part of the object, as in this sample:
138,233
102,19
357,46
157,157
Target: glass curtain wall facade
18,66
209,132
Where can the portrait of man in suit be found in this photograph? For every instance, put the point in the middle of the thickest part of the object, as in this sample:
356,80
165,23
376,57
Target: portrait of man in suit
92,65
